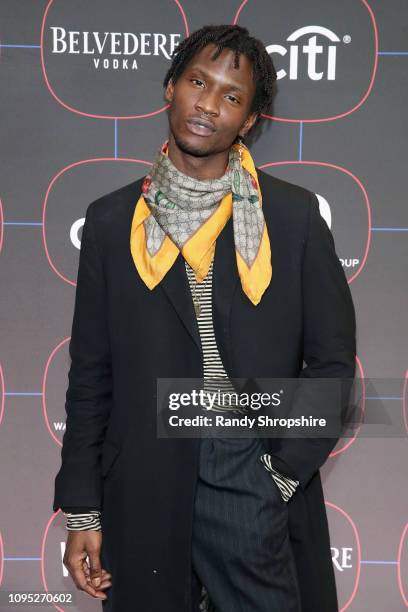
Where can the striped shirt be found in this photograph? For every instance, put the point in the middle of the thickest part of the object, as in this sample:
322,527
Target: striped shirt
215,379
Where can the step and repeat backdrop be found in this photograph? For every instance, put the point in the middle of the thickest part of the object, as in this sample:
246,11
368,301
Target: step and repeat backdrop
83,113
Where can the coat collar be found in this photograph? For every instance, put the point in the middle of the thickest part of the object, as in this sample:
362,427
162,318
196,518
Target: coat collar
225,281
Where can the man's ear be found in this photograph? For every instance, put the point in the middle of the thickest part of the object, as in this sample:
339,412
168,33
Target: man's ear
168,94
249,122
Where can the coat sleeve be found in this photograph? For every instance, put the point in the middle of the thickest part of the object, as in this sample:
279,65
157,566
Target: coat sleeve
329,345
89,392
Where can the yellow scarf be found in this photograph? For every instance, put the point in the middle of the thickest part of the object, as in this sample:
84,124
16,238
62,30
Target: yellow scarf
198,250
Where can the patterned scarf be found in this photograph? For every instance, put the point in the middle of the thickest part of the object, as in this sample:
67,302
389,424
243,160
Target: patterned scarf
176,212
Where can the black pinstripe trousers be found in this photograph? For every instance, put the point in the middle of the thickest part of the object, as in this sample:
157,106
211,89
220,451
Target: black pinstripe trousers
241,550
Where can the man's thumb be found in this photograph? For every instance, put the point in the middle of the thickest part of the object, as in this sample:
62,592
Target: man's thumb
95,568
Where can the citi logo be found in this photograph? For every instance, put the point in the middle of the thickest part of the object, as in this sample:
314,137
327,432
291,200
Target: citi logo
318,59
113,49
74,232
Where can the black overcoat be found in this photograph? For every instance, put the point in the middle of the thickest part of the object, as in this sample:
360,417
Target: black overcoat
125,336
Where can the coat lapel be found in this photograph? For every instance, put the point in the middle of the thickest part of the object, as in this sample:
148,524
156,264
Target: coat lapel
225,281
175,285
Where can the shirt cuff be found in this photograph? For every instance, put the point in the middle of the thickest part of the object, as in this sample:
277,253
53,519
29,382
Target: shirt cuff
83,521
287,485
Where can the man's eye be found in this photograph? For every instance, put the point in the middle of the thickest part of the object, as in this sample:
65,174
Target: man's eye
234,98
198,80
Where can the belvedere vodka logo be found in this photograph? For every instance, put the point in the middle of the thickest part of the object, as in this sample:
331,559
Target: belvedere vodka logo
107,60
113,50
311,50
342,557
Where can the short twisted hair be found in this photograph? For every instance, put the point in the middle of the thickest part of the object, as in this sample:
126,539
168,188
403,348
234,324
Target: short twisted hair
238,39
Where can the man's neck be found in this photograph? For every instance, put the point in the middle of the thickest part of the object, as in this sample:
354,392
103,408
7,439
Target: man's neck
200,168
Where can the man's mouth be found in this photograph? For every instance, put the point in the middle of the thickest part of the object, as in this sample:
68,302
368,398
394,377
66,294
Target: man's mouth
201,127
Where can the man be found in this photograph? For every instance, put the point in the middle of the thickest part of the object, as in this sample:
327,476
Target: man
175,280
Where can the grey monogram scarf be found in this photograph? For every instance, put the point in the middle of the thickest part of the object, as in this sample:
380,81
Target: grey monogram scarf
180,204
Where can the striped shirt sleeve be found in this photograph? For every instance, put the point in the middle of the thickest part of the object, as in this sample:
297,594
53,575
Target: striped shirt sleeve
83,521
287,486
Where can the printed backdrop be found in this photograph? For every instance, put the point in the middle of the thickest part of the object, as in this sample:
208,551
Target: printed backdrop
83,113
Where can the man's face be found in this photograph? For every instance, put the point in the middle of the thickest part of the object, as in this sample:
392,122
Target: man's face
216,93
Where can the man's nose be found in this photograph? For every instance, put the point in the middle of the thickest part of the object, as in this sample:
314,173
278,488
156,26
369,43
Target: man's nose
207,103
